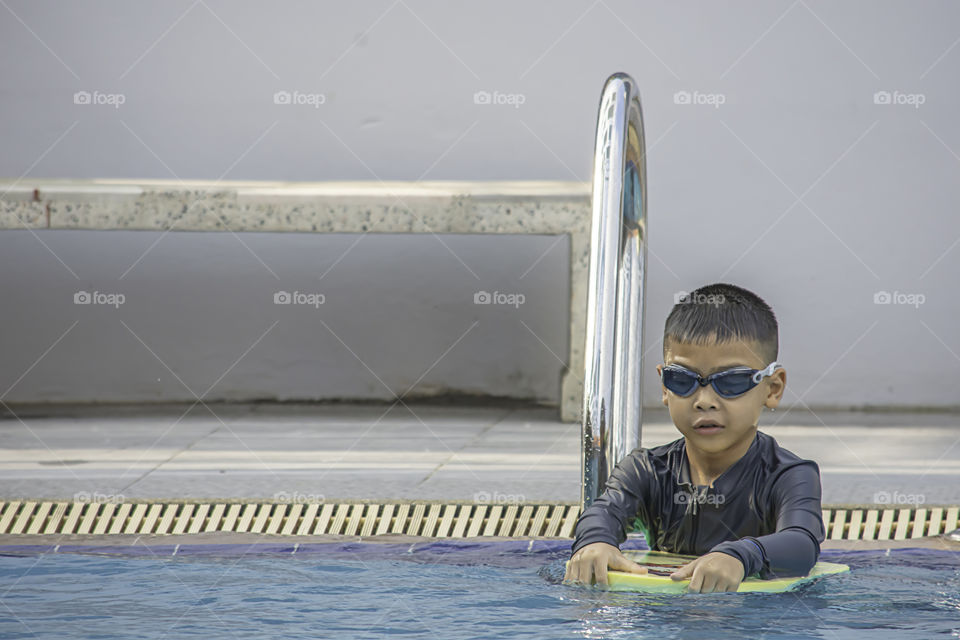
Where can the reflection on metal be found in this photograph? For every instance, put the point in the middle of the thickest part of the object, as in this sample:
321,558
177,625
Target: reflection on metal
615,297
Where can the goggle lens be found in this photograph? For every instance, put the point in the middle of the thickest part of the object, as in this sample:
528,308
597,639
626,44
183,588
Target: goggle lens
680,382
734,384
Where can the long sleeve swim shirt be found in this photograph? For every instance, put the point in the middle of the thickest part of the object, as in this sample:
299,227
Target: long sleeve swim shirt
763,510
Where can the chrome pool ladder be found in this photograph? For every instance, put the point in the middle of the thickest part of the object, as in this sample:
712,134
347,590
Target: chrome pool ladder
612,398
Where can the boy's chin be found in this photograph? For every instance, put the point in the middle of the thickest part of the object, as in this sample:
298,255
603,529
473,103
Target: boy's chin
716,436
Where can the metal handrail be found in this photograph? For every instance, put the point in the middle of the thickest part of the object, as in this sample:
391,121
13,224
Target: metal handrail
612,407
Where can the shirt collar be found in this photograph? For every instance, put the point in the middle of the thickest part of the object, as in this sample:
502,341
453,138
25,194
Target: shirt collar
729,479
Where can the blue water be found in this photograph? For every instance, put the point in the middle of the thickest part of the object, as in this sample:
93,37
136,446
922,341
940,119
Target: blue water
447,590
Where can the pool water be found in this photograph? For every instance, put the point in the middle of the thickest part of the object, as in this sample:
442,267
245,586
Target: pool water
445,590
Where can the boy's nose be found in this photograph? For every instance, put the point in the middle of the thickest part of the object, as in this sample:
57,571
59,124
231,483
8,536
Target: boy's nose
705,397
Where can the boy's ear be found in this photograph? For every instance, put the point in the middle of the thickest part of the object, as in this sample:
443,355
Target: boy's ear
663,389
777,385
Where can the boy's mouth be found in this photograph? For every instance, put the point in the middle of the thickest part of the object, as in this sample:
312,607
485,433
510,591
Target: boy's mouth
707,426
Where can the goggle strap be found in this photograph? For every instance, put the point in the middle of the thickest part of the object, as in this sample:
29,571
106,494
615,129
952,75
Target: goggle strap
763,373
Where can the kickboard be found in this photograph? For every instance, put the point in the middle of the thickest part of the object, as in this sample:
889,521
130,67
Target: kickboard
660,565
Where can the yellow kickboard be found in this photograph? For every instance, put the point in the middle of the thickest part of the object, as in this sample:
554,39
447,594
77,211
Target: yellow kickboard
661,564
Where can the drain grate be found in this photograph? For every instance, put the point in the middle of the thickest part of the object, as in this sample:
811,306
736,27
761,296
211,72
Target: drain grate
428,519
888,524
440,520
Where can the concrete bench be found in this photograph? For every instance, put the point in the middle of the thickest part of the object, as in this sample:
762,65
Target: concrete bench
551,208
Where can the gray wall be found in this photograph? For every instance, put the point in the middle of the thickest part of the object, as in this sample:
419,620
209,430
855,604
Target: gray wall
198,316
799,186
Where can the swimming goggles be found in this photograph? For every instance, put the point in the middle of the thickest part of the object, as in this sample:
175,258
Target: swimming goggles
728,384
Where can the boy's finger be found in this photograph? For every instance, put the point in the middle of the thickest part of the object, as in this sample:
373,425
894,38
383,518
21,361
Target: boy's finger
579,571
623,563
709,585
571,574
573,565
683,572
600,570
696,582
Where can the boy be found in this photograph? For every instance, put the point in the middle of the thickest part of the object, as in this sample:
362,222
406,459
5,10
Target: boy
724,491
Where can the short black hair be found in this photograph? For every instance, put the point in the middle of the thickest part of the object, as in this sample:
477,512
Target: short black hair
727,311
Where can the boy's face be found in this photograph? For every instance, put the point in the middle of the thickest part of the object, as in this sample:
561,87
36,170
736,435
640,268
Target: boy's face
738,415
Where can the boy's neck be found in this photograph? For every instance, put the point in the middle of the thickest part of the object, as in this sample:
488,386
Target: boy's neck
706,466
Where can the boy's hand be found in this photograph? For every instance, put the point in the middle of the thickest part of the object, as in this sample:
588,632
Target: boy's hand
711,572
594,559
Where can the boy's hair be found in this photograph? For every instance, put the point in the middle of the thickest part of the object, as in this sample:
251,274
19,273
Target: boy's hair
727,311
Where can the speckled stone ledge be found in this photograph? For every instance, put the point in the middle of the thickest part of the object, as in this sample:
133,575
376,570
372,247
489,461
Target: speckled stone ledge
325,207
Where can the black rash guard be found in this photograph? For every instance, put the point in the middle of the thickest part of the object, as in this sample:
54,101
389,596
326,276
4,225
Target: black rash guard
764,510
